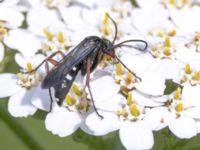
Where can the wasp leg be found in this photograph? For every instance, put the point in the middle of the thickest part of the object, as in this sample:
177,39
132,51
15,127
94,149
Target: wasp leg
88,66
51,98
49,89
48,59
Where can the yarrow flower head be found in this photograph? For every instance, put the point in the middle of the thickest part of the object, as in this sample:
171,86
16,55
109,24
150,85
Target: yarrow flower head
23,90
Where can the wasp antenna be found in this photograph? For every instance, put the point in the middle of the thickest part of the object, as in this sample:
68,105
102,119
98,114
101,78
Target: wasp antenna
116,30
129,41
127,68
51,98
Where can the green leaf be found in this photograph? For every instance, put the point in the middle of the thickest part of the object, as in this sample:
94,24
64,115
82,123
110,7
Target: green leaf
8,65
171,86
134,3
108,142
40,115
16,127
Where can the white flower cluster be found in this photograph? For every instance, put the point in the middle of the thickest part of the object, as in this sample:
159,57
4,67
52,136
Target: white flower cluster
137,108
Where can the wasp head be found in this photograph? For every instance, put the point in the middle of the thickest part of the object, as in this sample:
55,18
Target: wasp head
108,47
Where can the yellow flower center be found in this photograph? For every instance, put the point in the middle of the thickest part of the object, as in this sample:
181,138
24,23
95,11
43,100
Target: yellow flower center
77,90
48,34
106,25
29,67
172,33
197,76
188,69
61,38
3,30
177,3
172,2
119,69
122,112
70,100
129,78
177,95
197,37
167,51
29,80
134,110
167,41
179,107
185,1
129,99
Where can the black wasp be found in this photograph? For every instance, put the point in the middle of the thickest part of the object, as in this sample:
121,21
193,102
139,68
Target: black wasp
85,58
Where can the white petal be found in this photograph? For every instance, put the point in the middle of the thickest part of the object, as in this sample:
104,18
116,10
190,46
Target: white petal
2,51
183,127
41,99
112,104
95,4
77,22
9,3
136,135
34,3
158,118
193,112
62,122
12,17
42,17
35,60
186,55
8,84
98,73
137,63
103,88
142,16
95,17
191,15
153,84
98,126
149,3
144,99
23,41
191,94
167,68
19,104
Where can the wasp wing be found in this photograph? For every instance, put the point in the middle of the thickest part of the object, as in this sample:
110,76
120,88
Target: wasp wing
71,60
63,88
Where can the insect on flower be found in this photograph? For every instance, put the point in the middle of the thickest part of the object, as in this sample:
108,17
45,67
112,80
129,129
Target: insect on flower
84,57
